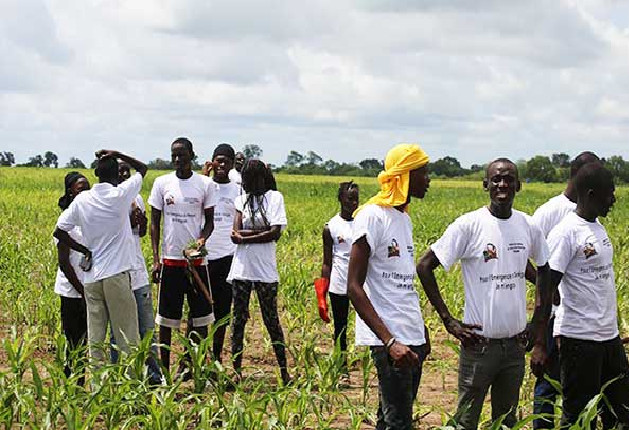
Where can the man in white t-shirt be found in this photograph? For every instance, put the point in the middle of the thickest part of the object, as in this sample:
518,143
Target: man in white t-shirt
185,201
380,285
493,245
140,284
546,217
591,353
102,215
235,174
220,247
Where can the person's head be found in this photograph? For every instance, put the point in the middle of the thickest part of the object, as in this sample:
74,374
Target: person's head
223,161
581,160
124,171
74,183
255,177
348,196
107,169
502,182
406,165
239,161
595,189
181,155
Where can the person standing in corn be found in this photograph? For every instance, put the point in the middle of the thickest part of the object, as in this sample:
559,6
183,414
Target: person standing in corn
380,285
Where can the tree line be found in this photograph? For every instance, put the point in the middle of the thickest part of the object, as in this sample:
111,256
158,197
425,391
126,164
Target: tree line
539,168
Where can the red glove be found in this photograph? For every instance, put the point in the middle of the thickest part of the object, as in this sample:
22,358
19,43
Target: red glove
321,288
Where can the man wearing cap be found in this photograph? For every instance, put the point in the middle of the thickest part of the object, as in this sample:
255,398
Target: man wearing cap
493,244
380,285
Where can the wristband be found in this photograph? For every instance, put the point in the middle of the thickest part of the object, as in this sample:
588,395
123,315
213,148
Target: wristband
390,343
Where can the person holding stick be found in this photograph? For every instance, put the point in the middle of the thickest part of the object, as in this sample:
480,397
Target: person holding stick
185,201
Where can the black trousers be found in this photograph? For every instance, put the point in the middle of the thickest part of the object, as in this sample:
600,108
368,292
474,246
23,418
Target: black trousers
586,366
74,323
340,311
222,296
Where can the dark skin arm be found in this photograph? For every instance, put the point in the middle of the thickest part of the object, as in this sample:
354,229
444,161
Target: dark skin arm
547,283
156,221
63,237
401,354
530,274
208,227
326,267
142,222
63,254
466,333
240,236
139,166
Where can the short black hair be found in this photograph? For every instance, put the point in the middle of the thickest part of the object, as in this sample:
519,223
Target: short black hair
344,187
581,160
186,142
501,160
106,167
593,176
224,149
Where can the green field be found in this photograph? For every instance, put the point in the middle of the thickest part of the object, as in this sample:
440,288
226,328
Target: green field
35,394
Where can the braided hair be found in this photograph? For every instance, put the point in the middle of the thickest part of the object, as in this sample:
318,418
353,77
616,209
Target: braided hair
255,183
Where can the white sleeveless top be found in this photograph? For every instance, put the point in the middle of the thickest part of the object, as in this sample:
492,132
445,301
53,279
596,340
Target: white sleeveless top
341,232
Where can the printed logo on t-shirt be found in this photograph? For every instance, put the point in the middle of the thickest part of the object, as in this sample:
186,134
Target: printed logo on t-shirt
170,200
394,249
490,253
340,239
589,250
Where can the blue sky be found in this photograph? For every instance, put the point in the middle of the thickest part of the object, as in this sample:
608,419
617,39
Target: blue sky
346,79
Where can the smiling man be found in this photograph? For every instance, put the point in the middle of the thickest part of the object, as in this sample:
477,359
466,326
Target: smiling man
380,285
591,354
493,244
185,200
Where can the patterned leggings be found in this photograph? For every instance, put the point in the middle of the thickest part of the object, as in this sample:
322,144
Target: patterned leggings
267,296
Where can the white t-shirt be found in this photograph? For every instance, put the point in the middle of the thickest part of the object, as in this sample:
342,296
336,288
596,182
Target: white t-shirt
139,275
390,274
341,232
219,244
552,212
102,213
257,261
236,178
582,251
493,254
63,287
183,203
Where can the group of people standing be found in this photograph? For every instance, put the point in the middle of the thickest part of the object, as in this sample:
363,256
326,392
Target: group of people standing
563,249
213,240
232,221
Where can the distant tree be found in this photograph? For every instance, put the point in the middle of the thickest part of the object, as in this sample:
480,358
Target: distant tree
294,159
560,160
36,161
540,168
313,158
75,163
330,165
93,164
618,167
252,150
51,159
447,166
160,164
371,164
7,159
477,168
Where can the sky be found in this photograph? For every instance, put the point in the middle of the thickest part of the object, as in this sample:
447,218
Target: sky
345,79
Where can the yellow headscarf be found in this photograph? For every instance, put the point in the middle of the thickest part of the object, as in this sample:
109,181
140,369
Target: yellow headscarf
394,179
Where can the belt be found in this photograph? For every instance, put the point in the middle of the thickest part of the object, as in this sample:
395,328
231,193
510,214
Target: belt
170,262
517,337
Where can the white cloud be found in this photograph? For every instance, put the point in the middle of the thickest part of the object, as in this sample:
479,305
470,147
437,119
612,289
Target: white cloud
347,79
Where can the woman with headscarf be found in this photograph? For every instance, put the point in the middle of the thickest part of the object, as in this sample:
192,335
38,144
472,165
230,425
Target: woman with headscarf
258,224
69,284
380,285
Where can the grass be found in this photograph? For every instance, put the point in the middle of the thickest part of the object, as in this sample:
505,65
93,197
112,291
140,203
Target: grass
34,392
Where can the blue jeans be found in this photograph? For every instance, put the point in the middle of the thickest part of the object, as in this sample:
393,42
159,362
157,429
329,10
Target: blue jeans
545,393
397,389
146,324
